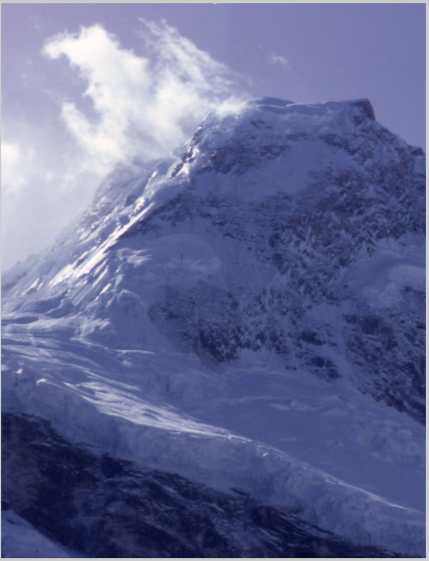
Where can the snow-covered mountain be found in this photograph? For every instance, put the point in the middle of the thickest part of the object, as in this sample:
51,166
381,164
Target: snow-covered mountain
236,332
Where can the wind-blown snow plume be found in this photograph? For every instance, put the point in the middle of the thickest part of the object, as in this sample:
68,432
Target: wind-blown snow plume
139,105
154,99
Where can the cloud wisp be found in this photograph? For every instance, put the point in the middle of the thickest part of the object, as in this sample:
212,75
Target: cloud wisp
145,105
274,59
14,160
133,105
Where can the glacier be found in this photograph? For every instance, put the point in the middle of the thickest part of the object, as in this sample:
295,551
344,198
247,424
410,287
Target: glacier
247,314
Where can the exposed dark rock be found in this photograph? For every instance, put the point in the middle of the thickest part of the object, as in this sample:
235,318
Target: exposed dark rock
100,506
310,238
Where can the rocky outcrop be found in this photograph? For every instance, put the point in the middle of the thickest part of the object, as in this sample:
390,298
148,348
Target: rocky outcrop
231,297
104,507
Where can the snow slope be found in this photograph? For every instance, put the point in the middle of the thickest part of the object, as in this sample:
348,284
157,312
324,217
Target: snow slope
246,313
20,539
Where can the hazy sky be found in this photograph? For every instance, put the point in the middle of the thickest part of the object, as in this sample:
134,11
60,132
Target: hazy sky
86,85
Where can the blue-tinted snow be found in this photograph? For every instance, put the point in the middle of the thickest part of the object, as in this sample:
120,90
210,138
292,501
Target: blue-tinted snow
81,351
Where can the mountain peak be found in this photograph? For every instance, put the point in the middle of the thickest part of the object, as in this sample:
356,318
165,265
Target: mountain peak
216,314
274,103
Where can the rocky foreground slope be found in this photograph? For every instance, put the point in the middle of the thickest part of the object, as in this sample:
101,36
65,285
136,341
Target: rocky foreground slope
247,314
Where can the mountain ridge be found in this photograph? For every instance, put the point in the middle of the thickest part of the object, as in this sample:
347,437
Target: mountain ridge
263,281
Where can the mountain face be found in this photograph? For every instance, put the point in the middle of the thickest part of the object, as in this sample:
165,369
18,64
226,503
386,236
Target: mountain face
245,320
101,501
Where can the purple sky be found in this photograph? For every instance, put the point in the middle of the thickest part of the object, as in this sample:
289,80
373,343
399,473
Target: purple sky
57,144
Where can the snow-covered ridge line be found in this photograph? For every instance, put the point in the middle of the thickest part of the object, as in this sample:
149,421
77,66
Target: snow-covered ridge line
328,119
162,507
191,449
249,313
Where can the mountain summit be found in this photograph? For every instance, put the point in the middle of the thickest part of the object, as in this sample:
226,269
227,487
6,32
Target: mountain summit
247,314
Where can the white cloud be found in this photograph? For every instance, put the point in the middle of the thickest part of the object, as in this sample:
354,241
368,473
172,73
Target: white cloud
146,105
278,59
138,106
14,162
39,194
